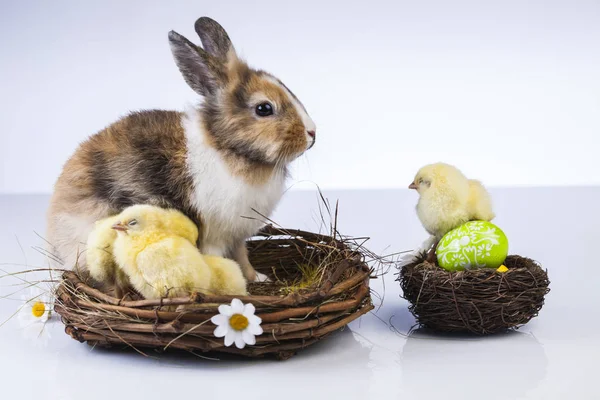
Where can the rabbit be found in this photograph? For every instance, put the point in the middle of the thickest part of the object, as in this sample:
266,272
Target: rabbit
219,162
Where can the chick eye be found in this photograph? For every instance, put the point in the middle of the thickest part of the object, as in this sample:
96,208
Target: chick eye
264,109
132,222
420,181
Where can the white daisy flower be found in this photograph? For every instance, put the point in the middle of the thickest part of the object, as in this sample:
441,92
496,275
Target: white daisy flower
237,323
33,315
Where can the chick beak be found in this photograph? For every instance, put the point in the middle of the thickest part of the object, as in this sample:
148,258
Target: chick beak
119,227
413,186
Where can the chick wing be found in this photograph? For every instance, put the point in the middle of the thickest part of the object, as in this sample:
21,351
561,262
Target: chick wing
169,268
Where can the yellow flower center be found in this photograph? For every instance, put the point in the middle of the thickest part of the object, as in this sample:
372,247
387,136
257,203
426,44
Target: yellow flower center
238,322
38,309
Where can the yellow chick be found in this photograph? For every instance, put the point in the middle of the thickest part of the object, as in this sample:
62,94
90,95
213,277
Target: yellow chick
100,259
448,199
226,276
161,263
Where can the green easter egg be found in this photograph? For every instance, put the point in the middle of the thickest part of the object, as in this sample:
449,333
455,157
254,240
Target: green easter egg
476,244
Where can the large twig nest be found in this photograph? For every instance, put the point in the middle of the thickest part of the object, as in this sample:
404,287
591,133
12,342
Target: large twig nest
319,285
479,301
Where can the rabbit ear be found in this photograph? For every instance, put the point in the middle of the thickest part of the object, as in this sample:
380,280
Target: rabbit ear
214,38
203,73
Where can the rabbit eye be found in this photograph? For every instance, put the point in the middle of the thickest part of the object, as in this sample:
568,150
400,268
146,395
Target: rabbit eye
264,109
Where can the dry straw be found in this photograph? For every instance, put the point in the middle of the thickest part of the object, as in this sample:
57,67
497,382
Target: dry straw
320,284
479,301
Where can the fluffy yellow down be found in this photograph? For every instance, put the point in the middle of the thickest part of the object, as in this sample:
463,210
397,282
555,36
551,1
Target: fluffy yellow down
448,199
100,258
226,276
160,262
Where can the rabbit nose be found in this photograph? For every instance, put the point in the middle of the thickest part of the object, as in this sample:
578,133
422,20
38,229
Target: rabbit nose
312,134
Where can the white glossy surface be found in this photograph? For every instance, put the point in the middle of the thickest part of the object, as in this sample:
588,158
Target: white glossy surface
553,357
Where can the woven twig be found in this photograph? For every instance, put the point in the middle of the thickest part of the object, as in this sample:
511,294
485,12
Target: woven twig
290,322
480,301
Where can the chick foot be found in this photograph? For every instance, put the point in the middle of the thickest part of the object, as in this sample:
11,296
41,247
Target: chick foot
431,256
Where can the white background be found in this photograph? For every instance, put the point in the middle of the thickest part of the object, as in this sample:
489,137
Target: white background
554,357
507,90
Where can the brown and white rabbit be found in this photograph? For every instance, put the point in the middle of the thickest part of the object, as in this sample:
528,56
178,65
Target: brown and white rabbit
216,162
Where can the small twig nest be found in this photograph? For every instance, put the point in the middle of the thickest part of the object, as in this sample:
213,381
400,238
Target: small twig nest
480,301
295,311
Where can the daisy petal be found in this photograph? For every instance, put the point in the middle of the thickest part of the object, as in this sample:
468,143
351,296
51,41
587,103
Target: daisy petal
219,319
34,295
33,331
249,310
254,320
229,338
248,338
225,310
44,317
221,331
255,329
26,318
25,315
27,324
239,340
237,306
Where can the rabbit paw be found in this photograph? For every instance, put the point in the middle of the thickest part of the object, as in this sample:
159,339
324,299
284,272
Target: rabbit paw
261,278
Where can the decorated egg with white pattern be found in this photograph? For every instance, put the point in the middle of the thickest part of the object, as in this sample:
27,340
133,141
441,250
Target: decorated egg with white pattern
476,244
